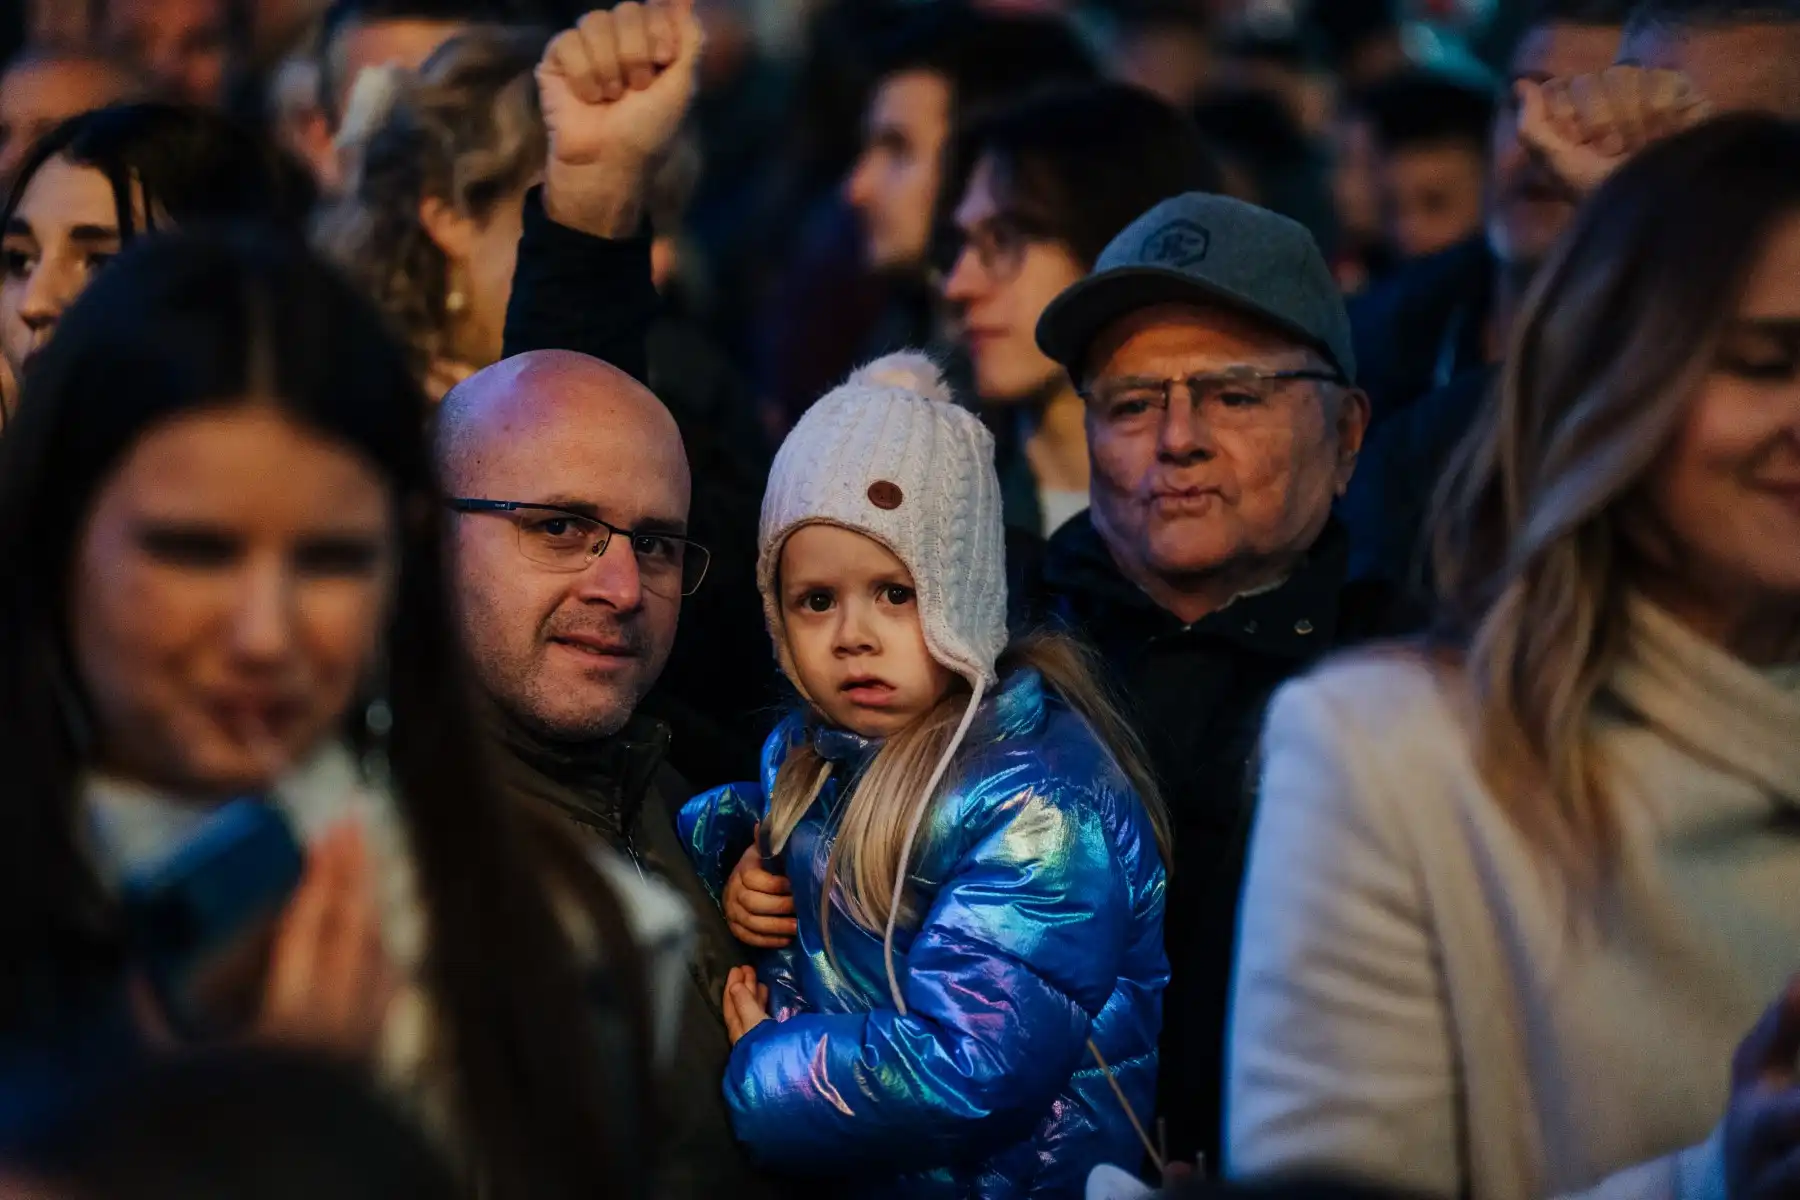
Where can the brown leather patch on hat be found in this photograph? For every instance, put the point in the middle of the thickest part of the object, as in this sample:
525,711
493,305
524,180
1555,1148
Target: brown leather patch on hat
885,495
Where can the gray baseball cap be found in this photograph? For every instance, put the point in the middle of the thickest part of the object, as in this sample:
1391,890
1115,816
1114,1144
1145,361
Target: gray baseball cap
1211,250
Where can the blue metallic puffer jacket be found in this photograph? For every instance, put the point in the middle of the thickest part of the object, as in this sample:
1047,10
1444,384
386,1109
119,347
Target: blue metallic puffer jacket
1042,887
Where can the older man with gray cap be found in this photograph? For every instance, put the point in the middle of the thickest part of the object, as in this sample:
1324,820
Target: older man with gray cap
1212,350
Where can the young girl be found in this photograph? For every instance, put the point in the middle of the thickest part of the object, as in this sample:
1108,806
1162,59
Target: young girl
972,1001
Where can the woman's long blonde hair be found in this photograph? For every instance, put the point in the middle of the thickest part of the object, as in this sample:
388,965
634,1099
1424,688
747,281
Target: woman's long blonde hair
1541,537
465,129
885,803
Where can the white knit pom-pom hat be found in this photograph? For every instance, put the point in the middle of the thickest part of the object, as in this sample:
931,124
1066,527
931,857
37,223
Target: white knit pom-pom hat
890,455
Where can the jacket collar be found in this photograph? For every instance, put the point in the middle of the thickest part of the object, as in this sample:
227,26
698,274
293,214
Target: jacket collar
601,783
1718,706
1016,710
1293,620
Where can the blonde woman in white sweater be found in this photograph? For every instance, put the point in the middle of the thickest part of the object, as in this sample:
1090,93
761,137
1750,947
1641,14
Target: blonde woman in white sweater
1518,896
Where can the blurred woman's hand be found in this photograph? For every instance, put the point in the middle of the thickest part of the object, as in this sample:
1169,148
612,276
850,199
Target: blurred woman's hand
330,980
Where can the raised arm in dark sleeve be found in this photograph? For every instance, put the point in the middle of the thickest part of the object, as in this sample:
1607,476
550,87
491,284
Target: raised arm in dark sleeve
575,291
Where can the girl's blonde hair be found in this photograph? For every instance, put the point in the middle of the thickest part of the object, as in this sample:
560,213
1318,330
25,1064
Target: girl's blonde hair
465,130
1544,533
889,800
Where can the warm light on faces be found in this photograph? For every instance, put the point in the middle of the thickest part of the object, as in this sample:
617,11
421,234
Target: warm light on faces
1726,492
851,615
65,228
569,654
1237,478
229,590
1000,285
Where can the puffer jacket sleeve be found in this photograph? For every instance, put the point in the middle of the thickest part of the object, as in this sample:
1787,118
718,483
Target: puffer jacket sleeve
716,827
1018,953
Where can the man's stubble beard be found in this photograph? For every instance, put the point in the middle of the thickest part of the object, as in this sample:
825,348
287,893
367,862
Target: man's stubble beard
536,711
529,699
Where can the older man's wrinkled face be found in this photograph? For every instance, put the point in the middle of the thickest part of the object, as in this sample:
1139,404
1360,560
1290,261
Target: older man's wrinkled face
1222,478
568,653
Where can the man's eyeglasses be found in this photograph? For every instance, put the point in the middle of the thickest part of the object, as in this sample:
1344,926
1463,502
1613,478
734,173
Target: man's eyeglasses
1235,396
566,541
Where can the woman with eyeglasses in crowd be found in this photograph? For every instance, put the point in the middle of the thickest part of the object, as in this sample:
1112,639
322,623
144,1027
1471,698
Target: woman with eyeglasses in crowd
1044,186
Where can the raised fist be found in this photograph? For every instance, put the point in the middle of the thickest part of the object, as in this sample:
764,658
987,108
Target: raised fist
1584,127
614,91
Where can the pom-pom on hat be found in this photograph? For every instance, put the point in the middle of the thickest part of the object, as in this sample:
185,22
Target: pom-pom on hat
889,454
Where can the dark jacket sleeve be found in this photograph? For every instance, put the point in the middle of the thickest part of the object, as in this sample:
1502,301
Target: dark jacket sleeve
574,291
1388,506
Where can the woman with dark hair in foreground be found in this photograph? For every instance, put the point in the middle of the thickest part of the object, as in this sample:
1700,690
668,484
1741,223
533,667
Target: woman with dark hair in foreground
245,1124
224,578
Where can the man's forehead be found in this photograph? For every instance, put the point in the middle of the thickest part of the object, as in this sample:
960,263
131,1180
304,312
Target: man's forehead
562,424
1189,337
534,423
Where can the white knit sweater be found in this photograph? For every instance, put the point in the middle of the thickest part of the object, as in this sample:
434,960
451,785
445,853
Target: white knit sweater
1414,1005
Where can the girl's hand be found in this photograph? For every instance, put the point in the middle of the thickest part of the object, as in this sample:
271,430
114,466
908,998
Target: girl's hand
746,1002
759,904
330,981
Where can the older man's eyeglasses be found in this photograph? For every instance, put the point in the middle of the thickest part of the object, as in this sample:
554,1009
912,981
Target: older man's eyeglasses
1236,396
568,541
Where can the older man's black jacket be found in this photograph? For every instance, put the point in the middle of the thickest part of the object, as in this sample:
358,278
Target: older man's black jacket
1198,693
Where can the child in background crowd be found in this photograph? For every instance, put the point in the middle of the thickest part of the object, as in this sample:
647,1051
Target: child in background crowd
1431,136
976,852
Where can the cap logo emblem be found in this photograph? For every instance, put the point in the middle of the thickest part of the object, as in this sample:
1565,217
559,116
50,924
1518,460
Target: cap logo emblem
885,495
1180,243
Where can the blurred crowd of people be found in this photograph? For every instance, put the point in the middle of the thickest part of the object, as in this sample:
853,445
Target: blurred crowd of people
918,598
